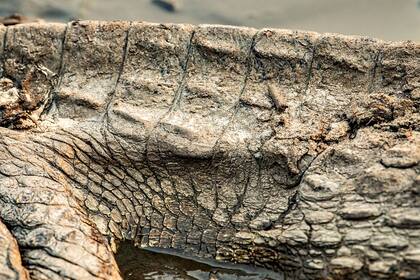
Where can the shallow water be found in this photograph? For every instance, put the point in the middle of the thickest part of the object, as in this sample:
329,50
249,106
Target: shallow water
384,19
139,264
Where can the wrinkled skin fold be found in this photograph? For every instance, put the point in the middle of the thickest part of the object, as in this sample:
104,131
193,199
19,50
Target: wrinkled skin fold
295,151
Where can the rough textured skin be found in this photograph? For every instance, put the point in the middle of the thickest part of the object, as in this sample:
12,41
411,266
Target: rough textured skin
10,262
291,150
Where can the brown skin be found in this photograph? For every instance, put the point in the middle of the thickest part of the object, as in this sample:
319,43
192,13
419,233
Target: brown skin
290,150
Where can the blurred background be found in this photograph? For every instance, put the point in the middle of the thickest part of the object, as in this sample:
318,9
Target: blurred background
384,19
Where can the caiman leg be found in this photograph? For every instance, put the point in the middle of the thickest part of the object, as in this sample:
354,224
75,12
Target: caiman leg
10,261
56,239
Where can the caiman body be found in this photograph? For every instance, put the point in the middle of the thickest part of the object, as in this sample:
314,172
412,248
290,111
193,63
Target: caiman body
296,151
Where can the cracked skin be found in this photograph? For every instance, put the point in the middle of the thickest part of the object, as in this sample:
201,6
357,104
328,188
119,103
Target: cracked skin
291,150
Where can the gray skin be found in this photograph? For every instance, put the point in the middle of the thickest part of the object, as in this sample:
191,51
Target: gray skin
295,151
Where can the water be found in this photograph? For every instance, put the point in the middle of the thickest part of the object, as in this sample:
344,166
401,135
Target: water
383,19
141,264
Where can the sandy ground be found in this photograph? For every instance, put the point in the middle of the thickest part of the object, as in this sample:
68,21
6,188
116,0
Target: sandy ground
384,19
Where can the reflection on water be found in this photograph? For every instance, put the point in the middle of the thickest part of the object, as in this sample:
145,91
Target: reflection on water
139,264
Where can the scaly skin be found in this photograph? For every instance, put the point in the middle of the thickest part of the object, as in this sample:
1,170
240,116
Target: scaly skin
291,150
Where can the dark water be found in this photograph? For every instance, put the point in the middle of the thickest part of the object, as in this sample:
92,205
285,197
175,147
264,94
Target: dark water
139,264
